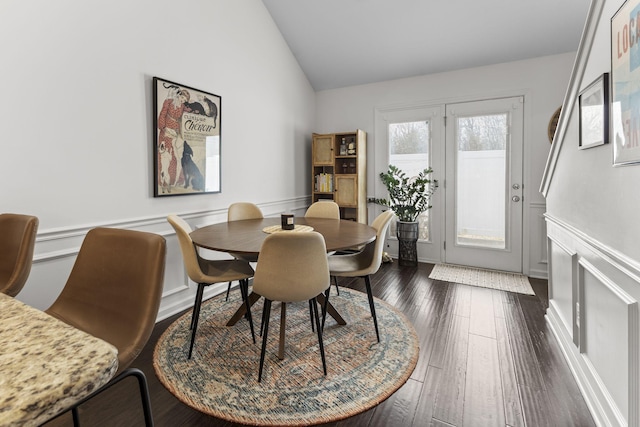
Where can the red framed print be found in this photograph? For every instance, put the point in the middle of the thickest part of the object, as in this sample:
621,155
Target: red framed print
187,140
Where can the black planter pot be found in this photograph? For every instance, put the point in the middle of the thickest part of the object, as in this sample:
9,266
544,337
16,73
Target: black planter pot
407,234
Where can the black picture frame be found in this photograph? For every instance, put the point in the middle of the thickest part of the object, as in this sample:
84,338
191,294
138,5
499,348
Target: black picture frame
187,140
593,104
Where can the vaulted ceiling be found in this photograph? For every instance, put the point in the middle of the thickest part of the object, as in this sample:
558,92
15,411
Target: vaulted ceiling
341,43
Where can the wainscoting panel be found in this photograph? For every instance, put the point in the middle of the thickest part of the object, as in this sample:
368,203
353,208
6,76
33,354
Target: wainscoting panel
562,286
608,332
593,311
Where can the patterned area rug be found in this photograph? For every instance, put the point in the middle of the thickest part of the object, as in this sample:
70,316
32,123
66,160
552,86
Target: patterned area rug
221,379
493,279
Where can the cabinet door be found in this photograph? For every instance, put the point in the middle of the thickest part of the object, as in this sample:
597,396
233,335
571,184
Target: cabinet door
323,150
346,191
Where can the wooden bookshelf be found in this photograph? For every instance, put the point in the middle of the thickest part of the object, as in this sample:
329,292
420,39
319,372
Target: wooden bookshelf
339,172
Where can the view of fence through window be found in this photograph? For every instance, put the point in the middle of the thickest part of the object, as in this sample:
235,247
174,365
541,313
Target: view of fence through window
481,171
409,148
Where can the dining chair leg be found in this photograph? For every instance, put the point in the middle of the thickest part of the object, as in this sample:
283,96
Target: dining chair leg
144,392
335,281
199,294
144,395
311,314
367,282
196,315
75,417
325,305
264,315
319,330
243,284
267,312
228,289
244,289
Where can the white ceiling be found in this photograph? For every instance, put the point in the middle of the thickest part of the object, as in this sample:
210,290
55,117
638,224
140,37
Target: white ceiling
341,43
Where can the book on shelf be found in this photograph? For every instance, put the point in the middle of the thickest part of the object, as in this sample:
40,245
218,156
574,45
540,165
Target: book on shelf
324,183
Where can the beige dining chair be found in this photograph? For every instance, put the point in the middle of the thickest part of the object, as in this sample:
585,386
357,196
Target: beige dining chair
237,212
17,242
323,209
113,293
243,210
207,272
292,267
364,263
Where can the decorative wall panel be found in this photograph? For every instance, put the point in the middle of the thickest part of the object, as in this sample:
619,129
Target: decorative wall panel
593,311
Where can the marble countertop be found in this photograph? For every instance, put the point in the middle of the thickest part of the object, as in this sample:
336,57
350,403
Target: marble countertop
46,365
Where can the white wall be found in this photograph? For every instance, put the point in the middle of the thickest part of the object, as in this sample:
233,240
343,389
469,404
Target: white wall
593,233
77,116
542,81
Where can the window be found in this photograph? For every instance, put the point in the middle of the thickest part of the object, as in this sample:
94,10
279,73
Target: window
409,148
481,175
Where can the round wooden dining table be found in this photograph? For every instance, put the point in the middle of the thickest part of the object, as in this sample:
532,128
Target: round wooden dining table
246,237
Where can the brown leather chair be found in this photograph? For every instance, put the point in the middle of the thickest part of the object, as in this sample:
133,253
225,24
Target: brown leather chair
17,241
292,267
113,293
364,263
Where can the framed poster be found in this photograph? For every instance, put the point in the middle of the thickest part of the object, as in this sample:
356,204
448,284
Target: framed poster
625,84
187,134
594,113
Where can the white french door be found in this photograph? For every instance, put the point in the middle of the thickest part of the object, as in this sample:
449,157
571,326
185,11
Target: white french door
410,138
483,207
476,154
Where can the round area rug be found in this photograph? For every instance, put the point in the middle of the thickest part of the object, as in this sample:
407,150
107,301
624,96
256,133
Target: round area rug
221,379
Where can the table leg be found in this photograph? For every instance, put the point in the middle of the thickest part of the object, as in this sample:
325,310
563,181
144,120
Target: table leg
283,322
331,310
253,297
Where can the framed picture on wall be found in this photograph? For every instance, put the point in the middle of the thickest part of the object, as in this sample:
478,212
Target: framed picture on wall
625,85
594,113
186,128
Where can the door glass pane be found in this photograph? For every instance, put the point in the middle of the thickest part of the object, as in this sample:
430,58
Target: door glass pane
481,173
409,147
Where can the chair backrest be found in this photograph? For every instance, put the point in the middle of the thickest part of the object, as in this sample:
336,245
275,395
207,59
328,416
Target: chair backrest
323,209
243,210
373,250
17,242
114,289
292,267
188,249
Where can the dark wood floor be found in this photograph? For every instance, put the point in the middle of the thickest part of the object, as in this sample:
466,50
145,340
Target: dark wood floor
487,358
